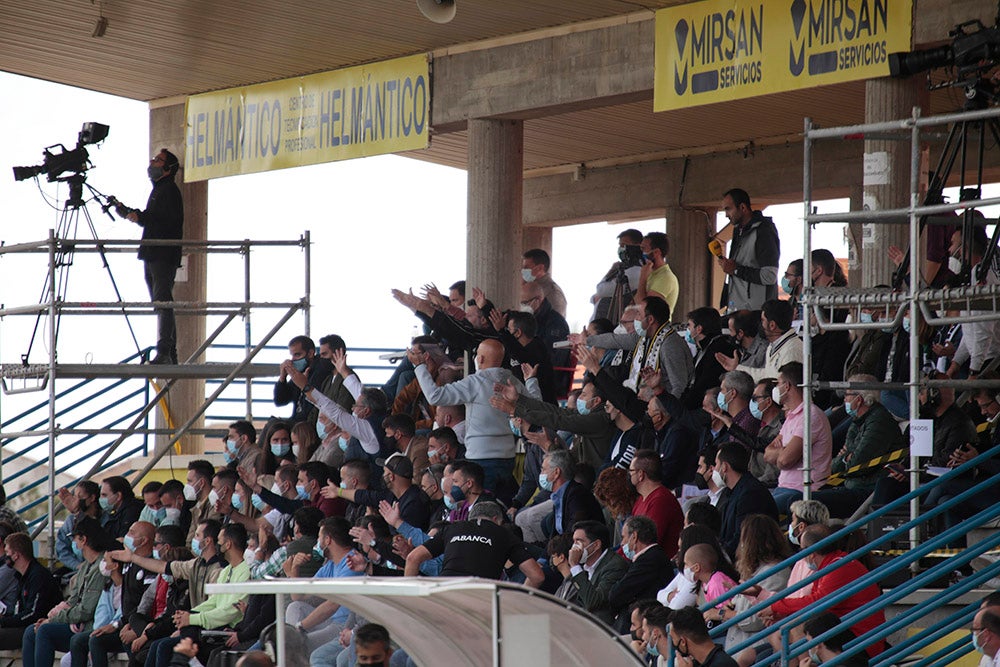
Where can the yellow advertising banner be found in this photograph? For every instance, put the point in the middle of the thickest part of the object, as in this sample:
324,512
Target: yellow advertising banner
372,109
721,50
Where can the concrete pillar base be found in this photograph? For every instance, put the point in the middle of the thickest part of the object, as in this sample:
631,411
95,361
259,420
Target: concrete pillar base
689,258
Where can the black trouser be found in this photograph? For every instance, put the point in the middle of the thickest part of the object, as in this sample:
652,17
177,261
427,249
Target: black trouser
160,276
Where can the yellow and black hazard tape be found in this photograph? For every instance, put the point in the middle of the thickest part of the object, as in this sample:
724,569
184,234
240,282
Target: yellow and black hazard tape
837,479
937,553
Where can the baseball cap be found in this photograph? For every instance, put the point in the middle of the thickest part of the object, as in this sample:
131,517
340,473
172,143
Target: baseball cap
397,464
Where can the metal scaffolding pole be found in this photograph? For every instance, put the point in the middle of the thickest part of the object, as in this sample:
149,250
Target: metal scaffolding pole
807,378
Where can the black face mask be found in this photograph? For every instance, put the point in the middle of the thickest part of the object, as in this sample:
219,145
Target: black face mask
699,481
683,654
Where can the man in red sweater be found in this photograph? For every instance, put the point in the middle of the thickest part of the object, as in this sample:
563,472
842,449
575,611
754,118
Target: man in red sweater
832,583
655,500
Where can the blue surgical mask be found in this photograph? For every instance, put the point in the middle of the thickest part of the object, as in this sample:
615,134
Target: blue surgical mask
814,657
975,643
866,318
449,502
319,551
786,285
652,650
300,364
167,578
77,551
721,401
196,546
321,430
627,550
257,502
755,410
105,504
514,428
689,338
301,490
581,407
279,449
639,328
156,554
343,485
228,457
527,276
129,542
906,324
543,481
232,446
237,502
811,565
849,408
342,441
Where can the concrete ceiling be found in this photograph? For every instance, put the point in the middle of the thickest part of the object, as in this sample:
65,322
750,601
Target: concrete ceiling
163,50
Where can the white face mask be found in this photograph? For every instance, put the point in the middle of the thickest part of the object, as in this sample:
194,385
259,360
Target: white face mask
275,489
620,329
689,574
250,555
527,276
526,308
103,567
190,493
213,497
792,537
776,395
717,479
955,265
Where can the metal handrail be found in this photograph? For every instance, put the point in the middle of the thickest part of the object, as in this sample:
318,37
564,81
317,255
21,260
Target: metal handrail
930,635
872,577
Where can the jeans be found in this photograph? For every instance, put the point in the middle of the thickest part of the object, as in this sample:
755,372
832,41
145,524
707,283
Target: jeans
499,477
160,282
401,377
326,655
101,646
161,651
40,646
319,635
784,498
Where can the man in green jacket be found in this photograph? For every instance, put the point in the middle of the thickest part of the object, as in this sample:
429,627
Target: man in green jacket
594,568
873,433
73,619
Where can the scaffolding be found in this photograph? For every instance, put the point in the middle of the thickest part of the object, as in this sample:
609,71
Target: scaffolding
20,378
919,301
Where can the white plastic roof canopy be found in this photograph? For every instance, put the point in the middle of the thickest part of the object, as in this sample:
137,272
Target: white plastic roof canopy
452,619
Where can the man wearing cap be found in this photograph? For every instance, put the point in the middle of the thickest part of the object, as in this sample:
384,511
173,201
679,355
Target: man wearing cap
397,476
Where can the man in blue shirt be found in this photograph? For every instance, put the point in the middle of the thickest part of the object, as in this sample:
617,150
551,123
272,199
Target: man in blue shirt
321,620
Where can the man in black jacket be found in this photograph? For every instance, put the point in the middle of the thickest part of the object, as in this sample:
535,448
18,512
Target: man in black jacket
162,219
747,494
38,592
649,571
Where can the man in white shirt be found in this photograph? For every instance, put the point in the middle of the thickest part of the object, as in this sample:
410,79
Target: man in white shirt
784,345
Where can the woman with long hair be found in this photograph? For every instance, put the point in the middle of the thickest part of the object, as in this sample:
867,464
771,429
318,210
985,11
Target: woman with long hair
613,490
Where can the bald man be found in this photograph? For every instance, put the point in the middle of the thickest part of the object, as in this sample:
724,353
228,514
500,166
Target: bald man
488,438
134,582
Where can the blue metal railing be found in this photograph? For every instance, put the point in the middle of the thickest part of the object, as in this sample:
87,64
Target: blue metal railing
897,564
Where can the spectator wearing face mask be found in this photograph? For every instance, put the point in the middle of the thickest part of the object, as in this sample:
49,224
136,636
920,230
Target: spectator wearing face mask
37,592
302,359
81,502
120,504
650,569
196,491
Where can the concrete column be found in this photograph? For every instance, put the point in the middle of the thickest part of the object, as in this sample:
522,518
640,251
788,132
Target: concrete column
537,237
496,157
887,175
689,258
166,129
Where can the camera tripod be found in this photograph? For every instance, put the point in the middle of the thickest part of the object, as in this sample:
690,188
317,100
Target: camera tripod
74,210
979,95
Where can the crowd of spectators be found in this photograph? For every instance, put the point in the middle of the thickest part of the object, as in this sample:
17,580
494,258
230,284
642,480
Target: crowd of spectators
662,482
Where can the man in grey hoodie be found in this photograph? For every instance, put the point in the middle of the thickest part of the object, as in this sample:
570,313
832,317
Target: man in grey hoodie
488,438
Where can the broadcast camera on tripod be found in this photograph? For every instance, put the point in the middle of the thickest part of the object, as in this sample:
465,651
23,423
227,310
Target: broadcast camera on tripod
70,166
974,51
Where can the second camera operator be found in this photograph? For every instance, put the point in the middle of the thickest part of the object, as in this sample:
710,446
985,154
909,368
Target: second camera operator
162,219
